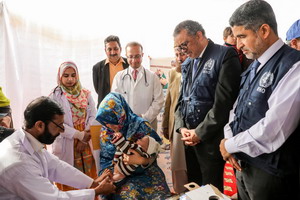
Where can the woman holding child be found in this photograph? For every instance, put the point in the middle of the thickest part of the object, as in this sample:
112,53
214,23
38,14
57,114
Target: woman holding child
116,116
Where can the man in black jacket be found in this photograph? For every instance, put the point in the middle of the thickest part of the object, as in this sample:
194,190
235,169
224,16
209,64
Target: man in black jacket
105,70
211,77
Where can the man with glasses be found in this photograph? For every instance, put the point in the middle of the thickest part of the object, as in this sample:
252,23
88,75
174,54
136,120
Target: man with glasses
211,77
139,86
27,170
105,70
262,136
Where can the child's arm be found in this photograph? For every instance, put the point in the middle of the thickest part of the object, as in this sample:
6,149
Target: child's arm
136,158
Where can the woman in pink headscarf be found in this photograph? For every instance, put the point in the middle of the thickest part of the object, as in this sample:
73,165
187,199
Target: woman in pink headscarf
74,144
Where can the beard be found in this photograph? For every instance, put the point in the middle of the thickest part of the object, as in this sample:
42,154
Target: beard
256,50
46,137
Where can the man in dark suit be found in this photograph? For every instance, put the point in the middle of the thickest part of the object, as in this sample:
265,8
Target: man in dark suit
105,70
211,77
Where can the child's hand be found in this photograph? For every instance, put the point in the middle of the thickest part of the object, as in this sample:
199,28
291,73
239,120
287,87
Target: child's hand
106,173
117,135
135,158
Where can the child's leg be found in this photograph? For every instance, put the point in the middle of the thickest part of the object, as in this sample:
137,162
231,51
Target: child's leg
118,175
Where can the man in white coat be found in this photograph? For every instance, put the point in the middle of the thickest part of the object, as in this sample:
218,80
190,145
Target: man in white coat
27,170
139,86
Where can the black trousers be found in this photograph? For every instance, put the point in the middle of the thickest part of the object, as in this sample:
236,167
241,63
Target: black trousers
256,184
203,170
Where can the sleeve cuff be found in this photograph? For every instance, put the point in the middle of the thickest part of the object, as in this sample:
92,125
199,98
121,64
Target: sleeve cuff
92,181
227,131
79,135
230,146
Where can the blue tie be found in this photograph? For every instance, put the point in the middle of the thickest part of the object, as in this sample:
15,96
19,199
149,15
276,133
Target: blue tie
195,66
253,69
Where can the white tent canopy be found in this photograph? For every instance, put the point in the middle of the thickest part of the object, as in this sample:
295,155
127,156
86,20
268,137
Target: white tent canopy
36,36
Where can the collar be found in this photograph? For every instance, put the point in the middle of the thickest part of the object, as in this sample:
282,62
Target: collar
121,60
36,145
139,69
201,54
263,59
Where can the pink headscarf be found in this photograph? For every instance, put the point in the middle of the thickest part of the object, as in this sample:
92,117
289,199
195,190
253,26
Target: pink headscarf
77,96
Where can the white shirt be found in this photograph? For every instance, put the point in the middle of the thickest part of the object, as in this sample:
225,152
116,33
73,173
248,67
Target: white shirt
27,170
144,96
282,118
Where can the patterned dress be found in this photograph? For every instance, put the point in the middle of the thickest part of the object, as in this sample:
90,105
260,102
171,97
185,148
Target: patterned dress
78,101
149,184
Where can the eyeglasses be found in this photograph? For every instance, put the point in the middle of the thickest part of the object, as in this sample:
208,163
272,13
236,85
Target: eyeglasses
182,47
61,127
138,56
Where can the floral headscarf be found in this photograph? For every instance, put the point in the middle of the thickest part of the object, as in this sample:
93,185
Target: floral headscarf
77,96
114,110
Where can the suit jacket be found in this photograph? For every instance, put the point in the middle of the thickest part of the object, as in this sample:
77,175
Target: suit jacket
171,102
210,130
101,78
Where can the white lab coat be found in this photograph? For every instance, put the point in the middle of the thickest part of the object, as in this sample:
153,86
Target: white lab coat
145,98
63,146
27,174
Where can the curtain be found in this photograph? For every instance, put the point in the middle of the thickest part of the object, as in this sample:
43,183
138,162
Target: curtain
36,36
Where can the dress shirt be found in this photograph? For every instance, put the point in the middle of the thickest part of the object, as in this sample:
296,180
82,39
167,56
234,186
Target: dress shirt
27,174
131,71
114,69
282,118
36,145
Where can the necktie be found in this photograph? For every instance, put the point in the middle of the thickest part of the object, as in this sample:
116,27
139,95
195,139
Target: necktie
253,69
195,66
134,74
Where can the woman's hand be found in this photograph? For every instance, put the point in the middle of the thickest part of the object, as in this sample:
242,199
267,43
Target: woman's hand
87,136
135,158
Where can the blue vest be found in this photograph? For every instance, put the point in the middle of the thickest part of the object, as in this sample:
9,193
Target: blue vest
252,107
198,94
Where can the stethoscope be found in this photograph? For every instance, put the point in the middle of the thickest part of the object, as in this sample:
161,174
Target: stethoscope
127,74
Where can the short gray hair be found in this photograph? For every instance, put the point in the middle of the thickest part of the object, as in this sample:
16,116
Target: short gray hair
253,14
192,27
